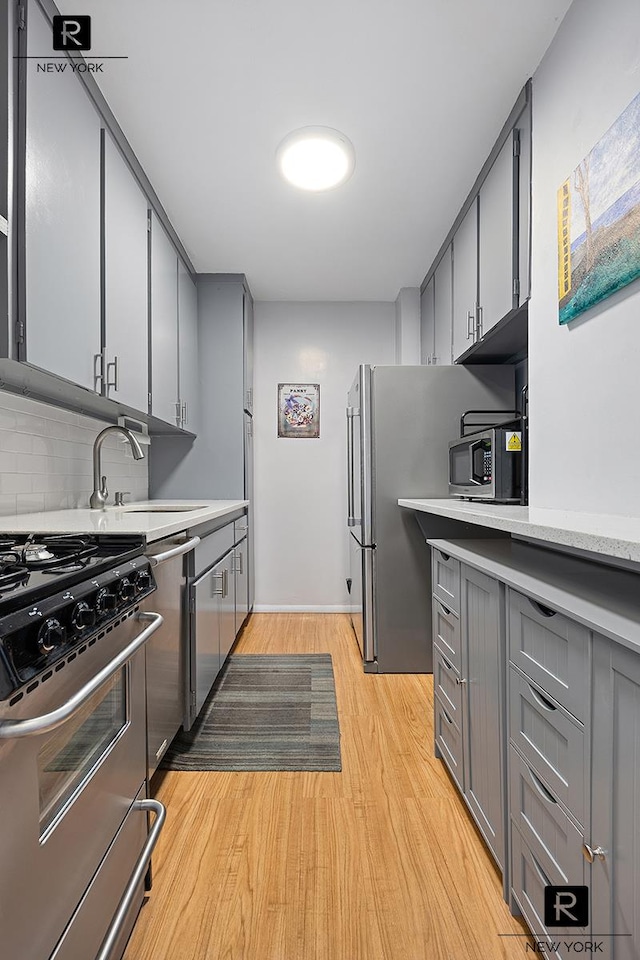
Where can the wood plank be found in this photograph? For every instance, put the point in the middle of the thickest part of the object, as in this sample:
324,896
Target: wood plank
379,862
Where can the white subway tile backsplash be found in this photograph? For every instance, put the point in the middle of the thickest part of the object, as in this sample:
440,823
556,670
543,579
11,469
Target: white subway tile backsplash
46,458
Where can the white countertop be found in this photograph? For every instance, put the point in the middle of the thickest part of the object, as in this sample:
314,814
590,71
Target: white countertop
606,534
152,525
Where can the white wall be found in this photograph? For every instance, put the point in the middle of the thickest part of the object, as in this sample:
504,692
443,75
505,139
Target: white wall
583,377
300,495
46,458
408,326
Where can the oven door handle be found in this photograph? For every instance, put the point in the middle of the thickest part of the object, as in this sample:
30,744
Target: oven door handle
114,931
15,729
174,552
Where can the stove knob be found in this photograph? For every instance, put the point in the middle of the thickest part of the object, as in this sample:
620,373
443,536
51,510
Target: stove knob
82,617
105,601
143,581
126,590
50,635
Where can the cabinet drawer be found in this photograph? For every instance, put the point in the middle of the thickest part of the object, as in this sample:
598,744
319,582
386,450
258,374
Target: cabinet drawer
549,739
446,580
447,687
449,742
446,632
528,880
551,649
546,828
212,547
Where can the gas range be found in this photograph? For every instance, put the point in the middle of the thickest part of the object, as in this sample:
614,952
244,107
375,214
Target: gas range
57,593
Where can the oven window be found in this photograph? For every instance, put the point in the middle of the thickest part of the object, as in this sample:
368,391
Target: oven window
72,751
459,464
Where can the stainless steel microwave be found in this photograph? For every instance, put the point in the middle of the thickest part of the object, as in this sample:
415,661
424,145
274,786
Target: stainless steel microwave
487,465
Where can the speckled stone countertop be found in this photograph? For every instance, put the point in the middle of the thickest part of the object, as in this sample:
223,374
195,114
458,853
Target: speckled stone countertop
605,534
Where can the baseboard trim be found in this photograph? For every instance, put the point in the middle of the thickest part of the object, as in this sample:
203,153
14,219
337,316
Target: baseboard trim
304,608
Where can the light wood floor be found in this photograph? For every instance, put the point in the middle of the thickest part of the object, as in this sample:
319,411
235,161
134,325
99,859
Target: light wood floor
379,862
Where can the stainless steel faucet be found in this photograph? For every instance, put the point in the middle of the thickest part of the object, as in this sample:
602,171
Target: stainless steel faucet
100,493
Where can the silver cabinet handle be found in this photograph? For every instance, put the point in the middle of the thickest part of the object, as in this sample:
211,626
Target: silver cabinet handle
178,406
174,552
115,366
184,413
445,610
460,681
240,558
225,582
540,787
115,929
14,729
590,853
542,701
98,371
470,324
215,577
478,322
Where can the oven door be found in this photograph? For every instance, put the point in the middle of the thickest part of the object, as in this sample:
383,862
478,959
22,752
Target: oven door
64,794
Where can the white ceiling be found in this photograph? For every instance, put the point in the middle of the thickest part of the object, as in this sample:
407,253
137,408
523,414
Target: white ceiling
421,88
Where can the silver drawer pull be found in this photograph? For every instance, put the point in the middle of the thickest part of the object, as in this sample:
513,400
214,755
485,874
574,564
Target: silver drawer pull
447,717
540,607
445,556
590,853
447,665
445,610
542,701
540,787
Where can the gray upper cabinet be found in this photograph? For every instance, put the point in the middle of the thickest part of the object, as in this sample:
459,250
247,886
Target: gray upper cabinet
164,326
126,282
465,281
189,382
615,871
247,369
62,219
443,310
523,166
427,323
496,247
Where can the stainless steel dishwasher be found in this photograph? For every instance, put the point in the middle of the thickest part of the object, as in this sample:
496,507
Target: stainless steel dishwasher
166,652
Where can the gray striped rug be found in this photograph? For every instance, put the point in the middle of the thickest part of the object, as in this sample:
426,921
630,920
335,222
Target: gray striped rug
267,712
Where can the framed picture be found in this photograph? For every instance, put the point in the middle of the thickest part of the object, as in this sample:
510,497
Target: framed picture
599,219
299,410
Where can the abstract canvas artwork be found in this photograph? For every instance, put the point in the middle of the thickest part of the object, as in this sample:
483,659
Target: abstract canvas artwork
599,219
299,410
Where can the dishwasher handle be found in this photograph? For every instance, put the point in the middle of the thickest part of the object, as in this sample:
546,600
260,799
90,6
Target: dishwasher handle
17,729
117,924
177,551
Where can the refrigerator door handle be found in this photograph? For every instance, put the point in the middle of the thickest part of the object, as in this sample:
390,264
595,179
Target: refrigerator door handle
352,521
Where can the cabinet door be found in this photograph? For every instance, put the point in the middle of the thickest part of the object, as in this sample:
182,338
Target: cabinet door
496,253
188,349
164,325
465,281
227,607
241,566
443,309
427,323
62,218
126,282
524,205
483,653
247,320
615,816
205,651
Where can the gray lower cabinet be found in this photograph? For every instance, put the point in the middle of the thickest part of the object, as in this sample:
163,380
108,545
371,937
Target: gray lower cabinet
205,649
469,702
614,835
227,606
62,218
241,578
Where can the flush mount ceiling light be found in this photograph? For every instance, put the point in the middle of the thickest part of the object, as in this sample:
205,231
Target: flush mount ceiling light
316,158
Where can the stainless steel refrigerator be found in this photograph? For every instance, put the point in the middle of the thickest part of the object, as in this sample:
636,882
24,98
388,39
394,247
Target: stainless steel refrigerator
400,420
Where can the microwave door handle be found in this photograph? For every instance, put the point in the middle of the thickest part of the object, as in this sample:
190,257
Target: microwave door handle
472,480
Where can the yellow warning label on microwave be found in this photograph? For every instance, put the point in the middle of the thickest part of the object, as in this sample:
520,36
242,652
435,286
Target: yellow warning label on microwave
514,441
